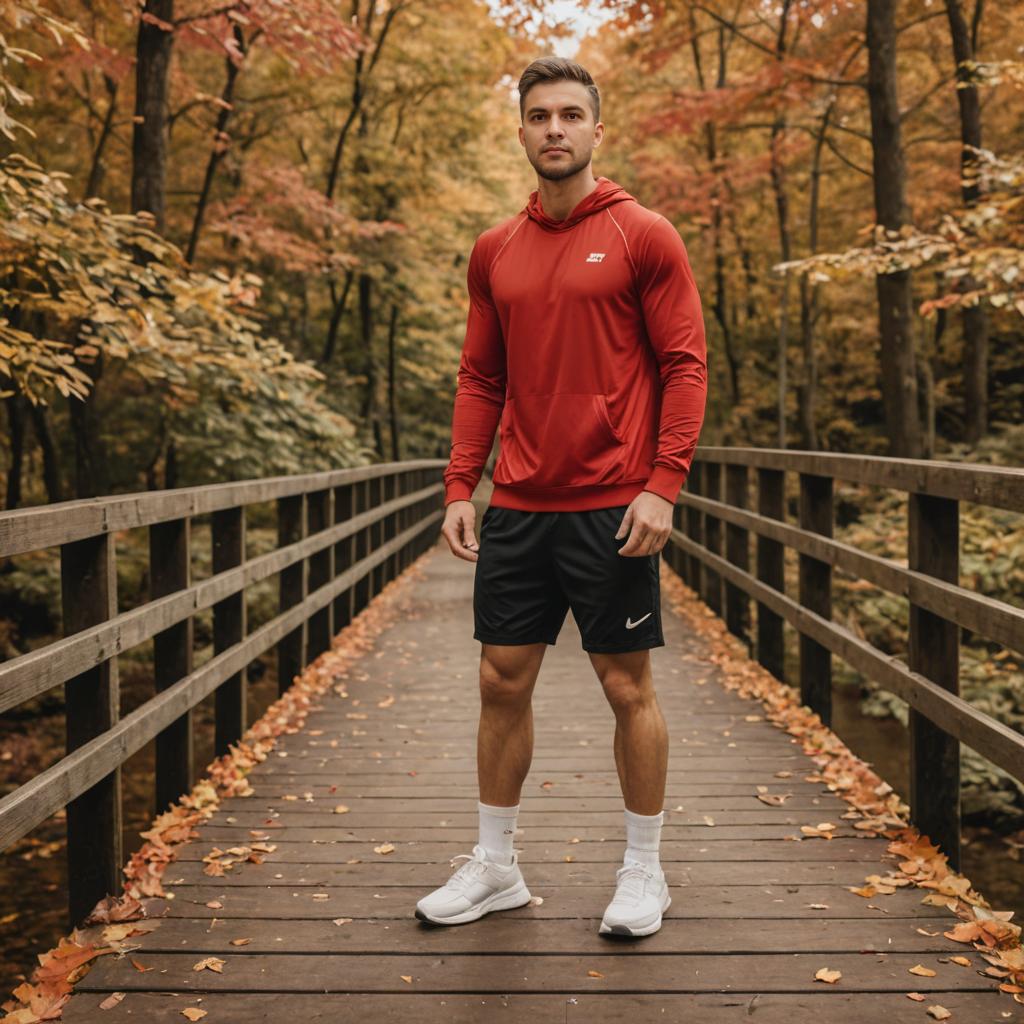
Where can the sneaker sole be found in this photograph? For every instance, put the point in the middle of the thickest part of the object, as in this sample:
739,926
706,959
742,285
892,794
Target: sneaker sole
625,929
507,899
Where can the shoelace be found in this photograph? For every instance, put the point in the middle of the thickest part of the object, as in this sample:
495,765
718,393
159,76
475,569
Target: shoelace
630,880
467,872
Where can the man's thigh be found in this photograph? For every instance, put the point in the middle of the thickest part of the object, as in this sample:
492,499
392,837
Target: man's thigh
517,598
615,599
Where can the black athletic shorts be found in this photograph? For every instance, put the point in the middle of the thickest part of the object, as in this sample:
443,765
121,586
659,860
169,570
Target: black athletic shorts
533,566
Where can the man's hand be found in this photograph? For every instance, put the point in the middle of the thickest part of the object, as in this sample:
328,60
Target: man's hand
648,521
459,517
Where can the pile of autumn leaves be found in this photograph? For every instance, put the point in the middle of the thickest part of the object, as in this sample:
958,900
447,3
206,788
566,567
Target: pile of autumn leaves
876,807
114,920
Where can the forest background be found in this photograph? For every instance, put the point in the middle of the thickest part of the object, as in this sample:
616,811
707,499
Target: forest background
234,240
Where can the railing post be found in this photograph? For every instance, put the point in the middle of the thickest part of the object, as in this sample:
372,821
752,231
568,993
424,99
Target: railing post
343,511
320,571
390,525
695,528
934,548
88,577
293,587
737,551
169,562
229,617
771,503
713,537
376,535
816,595
361,591
672,552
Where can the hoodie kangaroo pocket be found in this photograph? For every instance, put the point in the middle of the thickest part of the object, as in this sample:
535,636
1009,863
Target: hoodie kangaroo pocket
558,440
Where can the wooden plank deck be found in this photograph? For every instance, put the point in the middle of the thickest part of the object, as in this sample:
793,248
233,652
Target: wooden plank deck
739,942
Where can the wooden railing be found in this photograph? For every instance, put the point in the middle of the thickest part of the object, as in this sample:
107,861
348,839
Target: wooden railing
939,719
342,536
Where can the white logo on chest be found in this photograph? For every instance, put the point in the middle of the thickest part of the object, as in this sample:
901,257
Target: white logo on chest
595,257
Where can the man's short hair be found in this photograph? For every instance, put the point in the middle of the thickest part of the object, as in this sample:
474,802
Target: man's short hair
557,69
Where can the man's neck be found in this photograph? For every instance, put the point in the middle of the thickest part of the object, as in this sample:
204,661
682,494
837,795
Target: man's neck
560,198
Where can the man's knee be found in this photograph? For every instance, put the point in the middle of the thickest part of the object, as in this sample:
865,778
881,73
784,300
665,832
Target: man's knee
626,680
508,673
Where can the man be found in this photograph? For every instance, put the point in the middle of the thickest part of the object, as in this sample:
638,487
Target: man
585,339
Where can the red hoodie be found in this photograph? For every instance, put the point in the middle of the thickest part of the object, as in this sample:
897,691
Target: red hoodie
585,340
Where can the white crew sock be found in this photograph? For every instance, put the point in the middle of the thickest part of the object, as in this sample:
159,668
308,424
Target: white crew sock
497,831
643,833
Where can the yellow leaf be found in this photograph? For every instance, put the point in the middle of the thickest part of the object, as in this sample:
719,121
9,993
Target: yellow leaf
407,978
595,974
211,963
939,1012
920,969
193,1013
384,848
827,975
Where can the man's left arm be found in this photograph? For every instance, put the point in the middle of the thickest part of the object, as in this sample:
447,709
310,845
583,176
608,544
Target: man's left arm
675,327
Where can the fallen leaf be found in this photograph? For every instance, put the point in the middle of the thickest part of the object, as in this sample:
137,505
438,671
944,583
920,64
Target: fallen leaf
240,942
341,809
112,1000
384,848
211,963
193,1013
920,969
961,960
343,920
827,975
140,967
595,974
215,904
916,996
407,978
774,799
939,1012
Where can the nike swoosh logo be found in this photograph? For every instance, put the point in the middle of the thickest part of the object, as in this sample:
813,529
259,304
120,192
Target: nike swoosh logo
630,624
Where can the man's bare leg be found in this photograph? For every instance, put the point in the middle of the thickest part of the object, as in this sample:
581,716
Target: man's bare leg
641,735
508,674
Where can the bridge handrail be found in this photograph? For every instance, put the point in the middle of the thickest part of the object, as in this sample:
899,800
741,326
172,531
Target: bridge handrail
928,680
342,535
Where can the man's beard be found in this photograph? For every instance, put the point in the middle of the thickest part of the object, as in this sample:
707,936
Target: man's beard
562,170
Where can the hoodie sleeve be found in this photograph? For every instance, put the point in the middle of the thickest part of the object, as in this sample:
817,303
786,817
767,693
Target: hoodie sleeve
480,387
675,327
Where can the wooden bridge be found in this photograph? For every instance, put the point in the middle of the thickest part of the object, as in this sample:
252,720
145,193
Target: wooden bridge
293,897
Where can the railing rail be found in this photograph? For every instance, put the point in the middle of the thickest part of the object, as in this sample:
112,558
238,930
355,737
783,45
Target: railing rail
342,535
928,680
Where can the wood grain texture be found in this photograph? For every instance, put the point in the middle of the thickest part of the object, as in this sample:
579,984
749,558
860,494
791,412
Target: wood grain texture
754,914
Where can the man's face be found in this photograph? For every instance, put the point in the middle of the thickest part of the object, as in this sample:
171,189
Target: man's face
558,130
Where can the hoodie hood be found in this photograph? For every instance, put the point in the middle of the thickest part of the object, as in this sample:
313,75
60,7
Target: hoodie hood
606,194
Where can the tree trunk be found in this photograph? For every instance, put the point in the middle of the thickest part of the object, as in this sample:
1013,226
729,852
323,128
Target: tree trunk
720,305
219,147
807,393
369,362
337,310
895,311
975,322
149,137
51,460
393,385
782,215
95,179
16,431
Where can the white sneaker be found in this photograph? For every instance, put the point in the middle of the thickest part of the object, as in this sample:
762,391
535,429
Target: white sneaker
477,887
641,896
